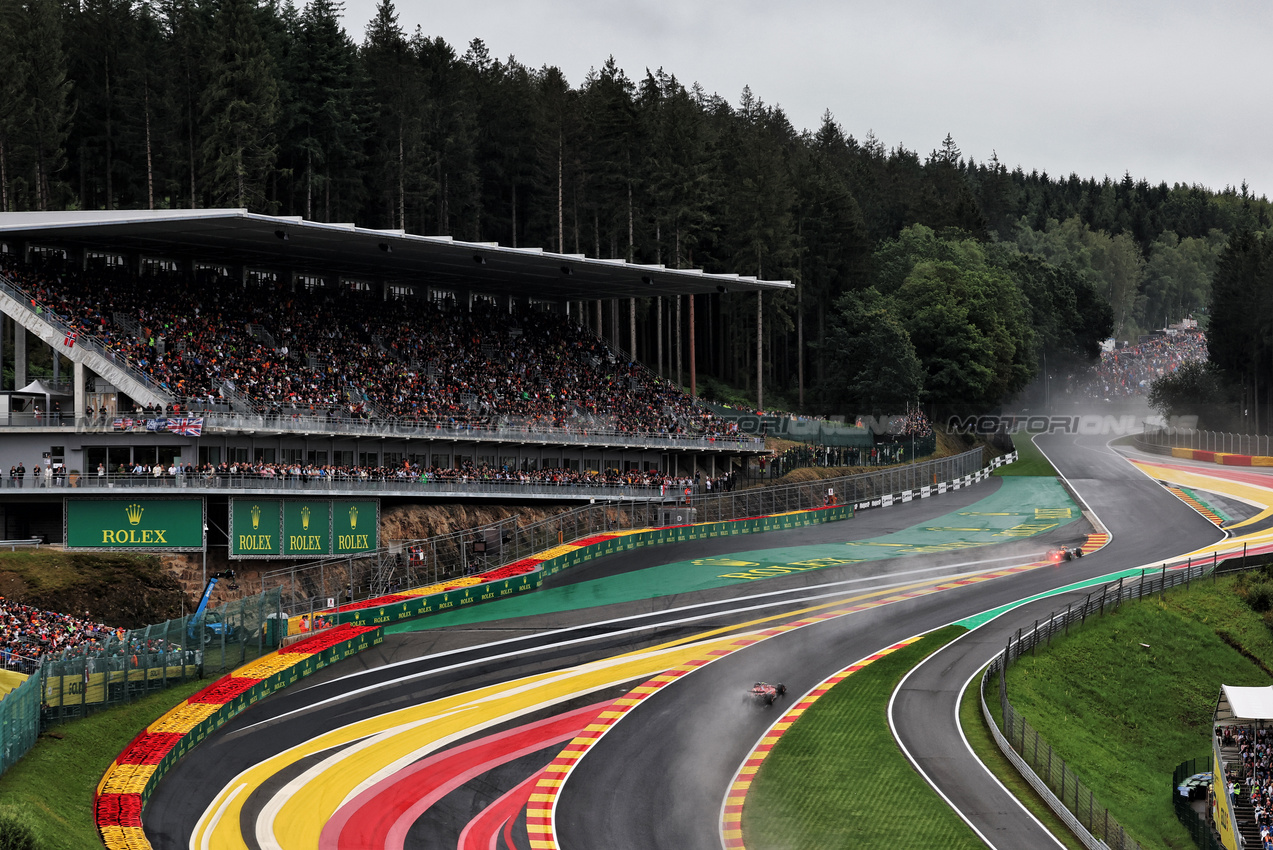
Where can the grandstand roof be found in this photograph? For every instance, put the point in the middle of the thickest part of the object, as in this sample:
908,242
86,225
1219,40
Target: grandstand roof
237,237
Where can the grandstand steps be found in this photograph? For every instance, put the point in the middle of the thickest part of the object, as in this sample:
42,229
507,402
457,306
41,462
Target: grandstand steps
79,349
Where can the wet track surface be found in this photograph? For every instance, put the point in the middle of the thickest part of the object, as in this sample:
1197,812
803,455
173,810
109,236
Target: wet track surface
657,779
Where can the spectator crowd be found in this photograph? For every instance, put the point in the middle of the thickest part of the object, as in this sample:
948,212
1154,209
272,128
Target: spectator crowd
333,351
1128,371
27,634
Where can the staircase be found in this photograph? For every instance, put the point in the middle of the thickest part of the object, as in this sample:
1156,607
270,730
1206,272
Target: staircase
112,367
1243,811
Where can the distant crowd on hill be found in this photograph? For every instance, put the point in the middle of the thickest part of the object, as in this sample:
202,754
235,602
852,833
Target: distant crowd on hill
332,352
1128,371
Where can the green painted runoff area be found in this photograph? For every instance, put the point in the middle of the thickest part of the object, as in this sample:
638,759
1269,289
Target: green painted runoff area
1021,507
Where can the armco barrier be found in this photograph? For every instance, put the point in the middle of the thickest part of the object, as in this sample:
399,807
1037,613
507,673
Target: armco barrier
126,786
529,573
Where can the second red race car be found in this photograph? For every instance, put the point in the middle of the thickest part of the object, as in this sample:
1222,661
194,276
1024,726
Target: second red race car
763,693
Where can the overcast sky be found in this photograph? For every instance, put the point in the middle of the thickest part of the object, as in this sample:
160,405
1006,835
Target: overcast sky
1168,90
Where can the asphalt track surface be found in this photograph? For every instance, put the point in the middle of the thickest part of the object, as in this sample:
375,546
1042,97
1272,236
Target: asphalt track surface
657,779
1147,523
420,666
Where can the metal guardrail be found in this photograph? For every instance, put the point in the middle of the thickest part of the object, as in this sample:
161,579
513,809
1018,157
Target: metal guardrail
452,555
305,425
198,484
83,340
1208,441
1041,766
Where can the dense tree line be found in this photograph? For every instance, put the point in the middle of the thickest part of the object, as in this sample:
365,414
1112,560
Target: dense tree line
190,103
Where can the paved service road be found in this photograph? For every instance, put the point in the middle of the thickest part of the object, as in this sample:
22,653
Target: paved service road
1148,524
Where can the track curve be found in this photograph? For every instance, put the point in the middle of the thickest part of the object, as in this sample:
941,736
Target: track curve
1147,524
656,779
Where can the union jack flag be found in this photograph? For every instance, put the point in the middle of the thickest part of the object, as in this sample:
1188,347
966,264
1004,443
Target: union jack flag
186,427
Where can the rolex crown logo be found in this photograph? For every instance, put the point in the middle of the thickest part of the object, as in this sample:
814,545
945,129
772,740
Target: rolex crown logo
353,517
256,517
134,513
305,517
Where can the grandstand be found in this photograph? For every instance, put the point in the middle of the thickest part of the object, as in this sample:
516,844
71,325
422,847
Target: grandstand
208,353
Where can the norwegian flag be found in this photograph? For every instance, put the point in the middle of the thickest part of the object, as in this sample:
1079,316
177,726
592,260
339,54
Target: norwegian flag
186,427
69,342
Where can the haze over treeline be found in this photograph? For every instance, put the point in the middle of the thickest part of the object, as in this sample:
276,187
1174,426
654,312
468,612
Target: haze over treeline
110,104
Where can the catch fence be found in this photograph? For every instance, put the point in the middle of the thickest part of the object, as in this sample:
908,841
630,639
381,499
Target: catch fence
415,563
1041,766
1257,445
126,665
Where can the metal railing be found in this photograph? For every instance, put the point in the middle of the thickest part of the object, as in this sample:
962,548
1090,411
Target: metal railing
306,587
1208,441
1199,829
301,486
502,430
83,340
384,426
122,667
1041,766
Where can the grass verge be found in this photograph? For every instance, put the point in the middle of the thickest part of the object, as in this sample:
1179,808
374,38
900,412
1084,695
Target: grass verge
1131,695
1030,461
838,779
51,788
983,744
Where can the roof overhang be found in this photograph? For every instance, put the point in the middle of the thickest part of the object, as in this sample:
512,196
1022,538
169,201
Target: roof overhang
236,237
1243,704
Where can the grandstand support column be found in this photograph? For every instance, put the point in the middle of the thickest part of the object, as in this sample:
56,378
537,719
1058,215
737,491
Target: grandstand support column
19,356
678,339
632,328
3,320
78,378
693,366
616,338
658,304
597,329
760,350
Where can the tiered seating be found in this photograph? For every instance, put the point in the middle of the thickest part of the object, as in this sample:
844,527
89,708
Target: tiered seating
1246,754
346,354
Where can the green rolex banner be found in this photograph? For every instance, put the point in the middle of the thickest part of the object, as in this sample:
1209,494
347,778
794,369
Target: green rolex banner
256,527
160,525
307,527
355,526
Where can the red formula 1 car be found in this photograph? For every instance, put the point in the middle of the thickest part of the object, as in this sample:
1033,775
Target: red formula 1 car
763,693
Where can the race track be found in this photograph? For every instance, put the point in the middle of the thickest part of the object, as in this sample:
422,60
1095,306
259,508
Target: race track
486,701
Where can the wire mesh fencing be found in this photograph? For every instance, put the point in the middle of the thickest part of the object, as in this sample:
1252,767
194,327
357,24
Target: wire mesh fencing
1257,445
131,663
402,564
1199,829
19,720
1044,768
